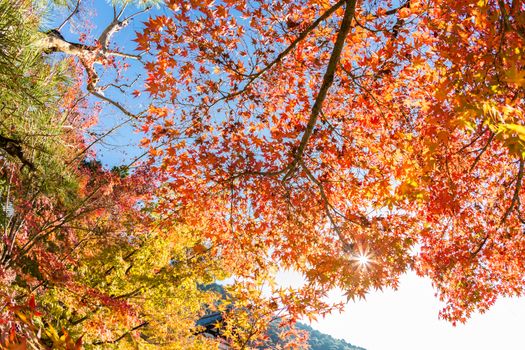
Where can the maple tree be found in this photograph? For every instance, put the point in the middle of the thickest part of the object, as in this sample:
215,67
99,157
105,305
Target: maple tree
346,140
83,262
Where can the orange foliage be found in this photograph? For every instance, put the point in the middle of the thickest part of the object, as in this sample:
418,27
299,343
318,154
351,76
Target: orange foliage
302,132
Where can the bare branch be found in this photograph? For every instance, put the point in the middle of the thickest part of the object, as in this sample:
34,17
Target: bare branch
89,55
74,12
117,25
114,103
113,27
55,42
98,139
121,86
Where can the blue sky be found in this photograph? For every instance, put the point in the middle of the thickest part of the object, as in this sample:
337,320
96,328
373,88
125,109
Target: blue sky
404,319
119,147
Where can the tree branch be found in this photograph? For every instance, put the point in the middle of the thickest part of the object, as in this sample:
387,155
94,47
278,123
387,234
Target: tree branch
68,18
347,246
478,157
516,195
116,340
117,25
13,148
89,55
394,10
284,53
515,200
328,79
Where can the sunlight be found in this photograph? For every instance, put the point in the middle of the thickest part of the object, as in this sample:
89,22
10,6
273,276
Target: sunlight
363,260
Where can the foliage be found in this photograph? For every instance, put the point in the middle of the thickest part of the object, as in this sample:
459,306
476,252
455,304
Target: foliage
281,337
83,262
348,141
29,91
320,341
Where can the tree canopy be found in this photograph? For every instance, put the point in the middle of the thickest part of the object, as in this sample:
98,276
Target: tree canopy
310,134
349,141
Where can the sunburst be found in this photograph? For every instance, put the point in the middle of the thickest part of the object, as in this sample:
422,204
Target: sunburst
363,258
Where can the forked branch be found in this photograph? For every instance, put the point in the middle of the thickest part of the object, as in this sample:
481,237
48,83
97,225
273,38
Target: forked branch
90,55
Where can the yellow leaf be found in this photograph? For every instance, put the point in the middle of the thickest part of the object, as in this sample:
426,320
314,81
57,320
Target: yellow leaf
515,76
21,316
516,128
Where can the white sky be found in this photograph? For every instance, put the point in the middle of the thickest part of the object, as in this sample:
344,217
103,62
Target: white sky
407,319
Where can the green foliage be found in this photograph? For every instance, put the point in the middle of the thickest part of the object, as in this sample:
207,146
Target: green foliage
321,341
33,131
316,339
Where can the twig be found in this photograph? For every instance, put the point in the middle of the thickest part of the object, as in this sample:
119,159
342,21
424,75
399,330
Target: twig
515,199
516,195
75,10
347,246
478,157
121,336
284,53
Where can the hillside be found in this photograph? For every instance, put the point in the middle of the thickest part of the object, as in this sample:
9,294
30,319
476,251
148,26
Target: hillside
322,341
316,340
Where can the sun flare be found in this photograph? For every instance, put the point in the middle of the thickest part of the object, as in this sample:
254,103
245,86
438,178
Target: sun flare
363,260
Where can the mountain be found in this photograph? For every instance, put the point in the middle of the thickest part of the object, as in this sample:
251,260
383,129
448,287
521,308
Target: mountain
322,341
316,340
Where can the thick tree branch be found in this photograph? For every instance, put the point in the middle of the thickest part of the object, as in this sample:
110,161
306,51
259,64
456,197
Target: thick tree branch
321,96
328,79
116,25
89,55
55,42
